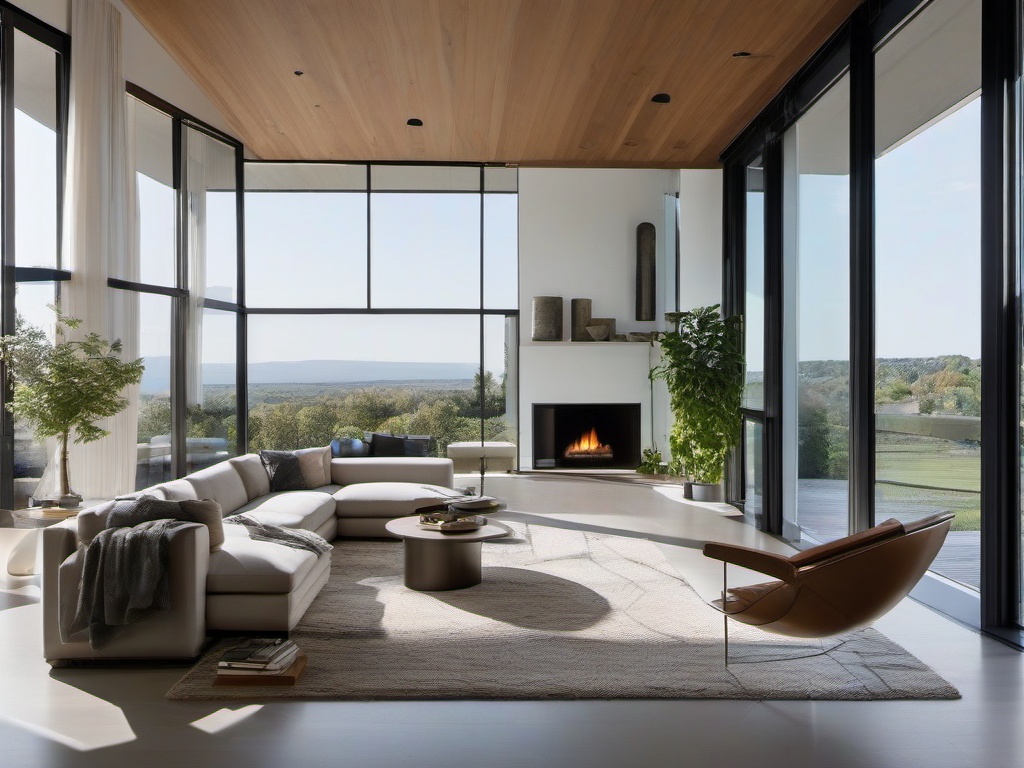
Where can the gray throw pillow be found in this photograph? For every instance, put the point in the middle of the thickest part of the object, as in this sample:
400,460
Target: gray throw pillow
283,470
147,508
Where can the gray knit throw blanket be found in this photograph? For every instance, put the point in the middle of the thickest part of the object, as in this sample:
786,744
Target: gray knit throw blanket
124,573
296,538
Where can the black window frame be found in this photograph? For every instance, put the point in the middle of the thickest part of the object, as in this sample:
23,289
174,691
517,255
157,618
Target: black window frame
480,310
179,294
13,19
870,25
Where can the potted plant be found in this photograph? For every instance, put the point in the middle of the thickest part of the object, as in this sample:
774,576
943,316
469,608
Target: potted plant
703,367
62,388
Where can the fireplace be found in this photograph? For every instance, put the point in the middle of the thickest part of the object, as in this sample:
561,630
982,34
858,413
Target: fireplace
592,436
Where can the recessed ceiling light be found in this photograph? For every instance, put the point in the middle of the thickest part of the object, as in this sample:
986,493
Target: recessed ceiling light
299,73
661,98
742,54
415,121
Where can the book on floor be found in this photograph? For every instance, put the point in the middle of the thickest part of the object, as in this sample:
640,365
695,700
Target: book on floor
259,653
287,676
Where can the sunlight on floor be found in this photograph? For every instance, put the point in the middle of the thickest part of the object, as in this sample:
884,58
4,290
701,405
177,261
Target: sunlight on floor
31,699
223,719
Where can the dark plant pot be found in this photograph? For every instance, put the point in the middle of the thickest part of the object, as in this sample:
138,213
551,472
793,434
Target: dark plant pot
706,491
687,489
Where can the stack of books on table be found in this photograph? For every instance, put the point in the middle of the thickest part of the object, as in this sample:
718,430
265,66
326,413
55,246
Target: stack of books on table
261,661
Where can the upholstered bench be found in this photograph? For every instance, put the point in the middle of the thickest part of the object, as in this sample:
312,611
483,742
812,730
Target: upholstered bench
497,456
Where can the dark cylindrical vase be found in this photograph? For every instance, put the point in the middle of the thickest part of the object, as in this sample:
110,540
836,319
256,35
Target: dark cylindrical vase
581,309
645,271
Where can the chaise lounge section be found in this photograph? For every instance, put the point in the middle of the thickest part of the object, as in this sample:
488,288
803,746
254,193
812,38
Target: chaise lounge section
241,584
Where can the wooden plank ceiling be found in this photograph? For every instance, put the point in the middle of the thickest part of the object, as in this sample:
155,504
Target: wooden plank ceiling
532,82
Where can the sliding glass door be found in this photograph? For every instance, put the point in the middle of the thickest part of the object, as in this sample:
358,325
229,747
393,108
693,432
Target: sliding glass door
928,278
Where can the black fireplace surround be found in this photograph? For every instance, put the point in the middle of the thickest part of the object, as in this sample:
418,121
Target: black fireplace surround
563,436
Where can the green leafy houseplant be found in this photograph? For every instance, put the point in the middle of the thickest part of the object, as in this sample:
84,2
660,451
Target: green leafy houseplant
703,367
651,463
62,388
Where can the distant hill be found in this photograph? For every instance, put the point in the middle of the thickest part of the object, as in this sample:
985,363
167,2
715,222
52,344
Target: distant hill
157,374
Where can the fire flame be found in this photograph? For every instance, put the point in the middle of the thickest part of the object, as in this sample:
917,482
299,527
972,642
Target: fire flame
588,444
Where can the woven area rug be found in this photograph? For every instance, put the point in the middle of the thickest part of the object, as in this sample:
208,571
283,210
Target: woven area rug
561,614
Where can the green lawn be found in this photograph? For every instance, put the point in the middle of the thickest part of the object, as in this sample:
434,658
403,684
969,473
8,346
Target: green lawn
927,461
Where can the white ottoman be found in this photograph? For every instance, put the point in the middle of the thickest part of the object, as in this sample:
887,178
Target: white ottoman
497,456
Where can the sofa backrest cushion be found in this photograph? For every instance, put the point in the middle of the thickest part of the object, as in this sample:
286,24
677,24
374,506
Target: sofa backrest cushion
209,513
93,520
222,483
177,490
390,470
254,475
315,465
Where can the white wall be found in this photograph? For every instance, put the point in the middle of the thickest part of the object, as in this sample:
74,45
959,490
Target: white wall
700,238
146,63
577,239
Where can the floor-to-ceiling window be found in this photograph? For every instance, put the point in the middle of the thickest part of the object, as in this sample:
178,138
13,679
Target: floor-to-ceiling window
889,280
34,74
928,277
183,290
399,312
817,243
753,338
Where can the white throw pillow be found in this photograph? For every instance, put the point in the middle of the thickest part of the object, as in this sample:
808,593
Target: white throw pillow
315,465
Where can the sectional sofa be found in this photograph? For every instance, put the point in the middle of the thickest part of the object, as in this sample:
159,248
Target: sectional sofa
241,584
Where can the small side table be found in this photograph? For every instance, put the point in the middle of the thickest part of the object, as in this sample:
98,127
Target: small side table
21,546
436,561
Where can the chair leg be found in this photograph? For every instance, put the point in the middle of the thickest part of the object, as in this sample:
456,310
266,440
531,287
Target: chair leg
725,616
725,628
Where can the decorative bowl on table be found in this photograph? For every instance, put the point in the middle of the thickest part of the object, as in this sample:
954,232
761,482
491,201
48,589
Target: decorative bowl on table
448,523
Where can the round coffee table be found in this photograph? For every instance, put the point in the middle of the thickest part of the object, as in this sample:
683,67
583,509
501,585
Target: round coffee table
436,561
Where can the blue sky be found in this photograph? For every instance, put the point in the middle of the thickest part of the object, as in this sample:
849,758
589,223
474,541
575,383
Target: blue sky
310,249
927,250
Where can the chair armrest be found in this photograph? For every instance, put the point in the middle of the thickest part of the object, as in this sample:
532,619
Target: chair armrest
768,563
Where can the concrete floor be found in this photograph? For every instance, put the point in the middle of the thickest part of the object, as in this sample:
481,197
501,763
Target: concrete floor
114,717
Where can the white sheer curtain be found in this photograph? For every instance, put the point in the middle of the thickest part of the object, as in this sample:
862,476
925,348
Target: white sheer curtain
100,229
195,174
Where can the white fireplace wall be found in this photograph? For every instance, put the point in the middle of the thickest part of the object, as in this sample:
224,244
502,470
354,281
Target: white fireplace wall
577,239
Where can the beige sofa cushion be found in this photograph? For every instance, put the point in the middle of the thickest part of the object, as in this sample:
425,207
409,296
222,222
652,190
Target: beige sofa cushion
308,510
254,476
177,490
384,469
93,520
315,465
222,483
256,567
386,499
208,512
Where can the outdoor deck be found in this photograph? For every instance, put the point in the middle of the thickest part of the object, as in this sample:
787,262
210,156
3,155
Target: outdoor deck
823,509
